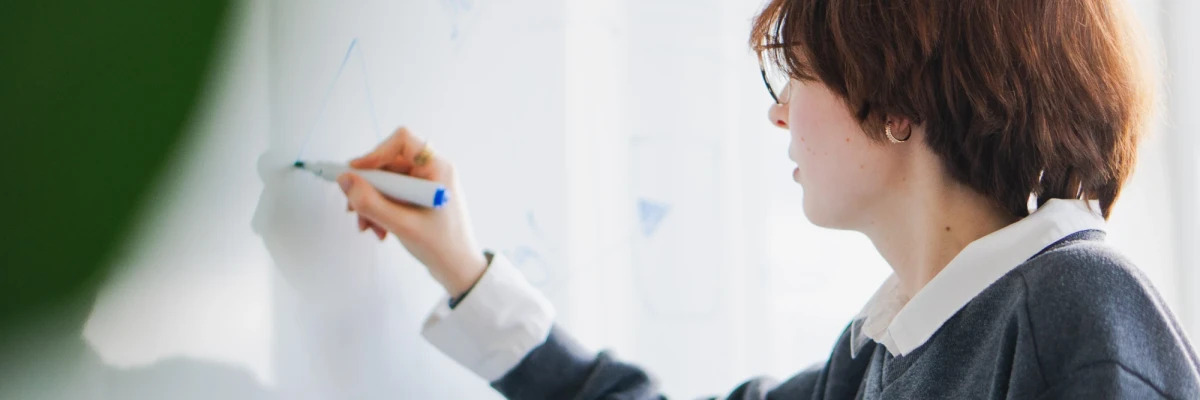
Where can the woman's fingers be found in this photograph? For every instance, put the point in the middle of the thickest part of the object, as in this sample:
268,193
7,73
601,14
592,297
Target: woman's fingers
379,232
391,163
398,165
396,153
364,224
402,152
375,208
432,166
405,153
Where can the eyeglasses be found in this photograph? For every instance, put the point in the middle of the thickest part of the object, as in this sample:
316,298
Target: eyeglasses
775,79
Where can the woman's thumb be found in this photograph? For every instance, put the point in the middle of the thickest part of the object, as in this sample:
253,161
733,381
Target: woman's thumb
369,203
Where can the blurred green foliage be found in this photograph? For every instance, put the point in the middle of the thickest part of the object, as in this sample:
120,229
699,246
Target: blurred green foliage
94,96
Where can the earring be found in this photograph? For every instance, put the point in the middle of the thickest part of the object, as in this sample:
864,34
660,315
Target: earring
888,131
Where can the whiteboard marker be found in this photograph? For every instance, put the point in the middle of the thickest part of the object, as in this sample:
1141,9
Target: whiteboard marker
400,187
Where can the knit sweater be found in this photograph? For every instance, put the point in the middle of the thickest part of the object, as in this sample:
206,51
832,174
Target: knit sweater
1077,320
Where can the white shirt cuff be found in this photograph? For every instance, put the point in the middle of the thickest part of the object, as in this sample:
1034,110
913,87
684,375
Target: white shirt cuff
495,326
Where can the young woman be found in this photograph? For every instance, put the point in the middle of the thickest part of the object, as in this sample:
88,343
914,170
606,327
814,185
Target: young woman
980,145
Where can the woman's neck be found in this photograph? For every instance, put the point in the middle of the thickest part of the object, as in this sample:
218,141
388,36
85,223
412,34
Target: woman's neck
924,226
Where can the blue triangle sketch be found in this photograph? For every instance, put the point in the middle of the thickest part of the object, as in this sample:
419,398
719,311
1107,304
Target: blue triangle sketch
651,214
329,93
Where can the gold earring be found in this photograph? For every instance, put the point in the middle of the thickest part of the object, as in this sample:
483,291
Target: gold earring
888,131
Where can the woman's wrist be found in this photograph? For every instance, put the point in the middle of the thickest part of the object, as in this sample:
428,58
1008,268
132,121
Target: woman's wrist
466,274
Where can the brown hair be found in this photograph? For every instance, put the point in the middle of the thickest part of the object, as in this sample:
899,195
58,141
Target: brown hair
1017,97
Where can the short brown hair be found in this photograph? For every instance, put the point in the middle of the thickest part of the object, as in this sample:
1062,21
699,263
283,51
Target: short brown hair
1043,97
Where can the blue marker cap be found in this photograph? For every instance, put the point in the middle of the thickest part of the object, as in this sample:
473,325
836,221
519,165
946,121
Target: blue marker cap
440,197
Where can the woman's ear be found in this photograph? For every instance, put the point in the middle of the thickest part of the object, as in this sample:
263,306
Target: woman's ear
902,127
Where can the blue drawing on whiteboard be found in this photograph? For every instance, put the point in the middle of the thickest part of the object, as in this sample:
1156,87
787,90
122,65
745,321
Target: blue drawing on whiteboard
329,95
522,254
531,264
457,9
533,226
651,214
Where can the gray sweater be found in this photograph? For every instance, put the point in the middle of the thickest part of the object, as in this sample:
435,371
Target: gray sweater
1075,321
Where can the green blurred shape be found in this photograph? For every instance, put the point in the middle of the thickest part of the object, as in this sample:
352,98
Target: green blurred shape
94,95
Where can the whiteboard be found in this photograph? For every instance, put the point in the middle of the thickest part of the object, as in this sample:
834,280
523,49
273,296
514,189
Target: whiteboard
341,77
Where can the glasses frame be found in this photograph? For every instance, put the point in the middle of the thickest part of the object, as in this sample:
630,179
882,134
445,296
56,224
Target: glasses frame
767,83
762,69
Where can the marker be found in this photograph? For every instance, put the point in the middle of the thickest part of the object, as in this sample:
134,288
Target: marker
400,187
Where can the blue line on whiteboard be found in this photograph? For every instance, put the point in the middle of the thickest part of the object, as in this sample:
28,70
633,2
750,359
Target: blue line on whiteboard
362,63
523,254
329,93
533,226
651,214
535,268
457,9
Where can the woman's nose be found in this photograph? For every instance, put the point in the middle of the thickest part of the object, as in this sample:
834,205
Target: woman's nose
778,115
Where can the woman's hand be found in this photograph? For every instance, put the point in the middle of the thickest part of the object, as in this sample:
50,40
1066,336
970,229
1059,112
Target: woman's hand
439,238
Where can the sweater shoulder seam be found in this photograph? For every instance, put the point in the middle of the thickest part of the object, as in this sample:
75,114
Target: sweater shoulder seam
1123,368
1037,354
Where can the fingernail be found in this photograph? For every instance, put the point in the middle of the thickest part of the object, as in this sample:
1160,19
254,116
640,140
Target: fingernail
344,182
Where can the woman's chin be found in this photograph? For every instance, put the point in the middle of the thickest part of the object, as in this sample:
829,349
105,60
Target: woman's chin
820,213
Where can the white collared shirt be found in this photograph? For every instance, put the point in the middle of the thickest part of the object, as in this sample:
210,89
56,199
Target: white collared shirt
902,325
504,318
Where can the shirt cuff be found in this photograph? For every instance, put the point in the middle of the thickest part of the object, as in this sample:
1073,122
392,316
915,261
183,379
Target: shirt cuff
455,300
493,329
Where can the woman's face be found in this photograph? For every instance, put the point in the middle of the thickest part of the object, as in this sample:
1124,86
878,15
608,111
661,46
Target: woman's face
844,174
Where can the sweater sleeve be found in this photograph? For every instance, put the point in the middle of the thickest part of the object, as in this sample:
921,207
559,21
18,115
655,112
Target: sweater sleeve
504,332
562,369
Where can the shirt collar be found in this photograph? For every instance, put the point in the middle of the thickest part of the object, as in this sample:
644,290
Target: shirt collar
902,325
